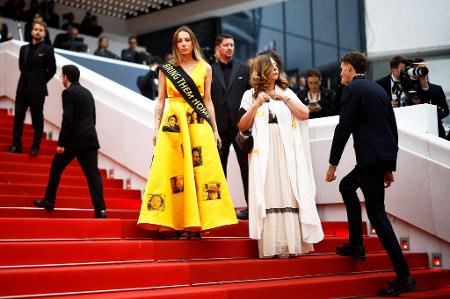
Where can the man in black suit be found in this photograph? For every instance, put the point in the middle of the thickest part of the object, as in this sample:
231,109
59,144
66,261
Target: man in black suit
434,95
131,54
391,83
230,81
366,114
37,66
77,139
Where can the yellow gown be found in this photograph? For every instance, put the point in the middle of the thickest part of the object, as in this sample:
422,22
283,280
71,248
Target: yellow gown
186,187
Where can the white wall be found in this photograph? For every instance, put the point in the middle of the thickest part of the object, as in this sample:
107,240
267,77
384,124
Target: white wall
406,26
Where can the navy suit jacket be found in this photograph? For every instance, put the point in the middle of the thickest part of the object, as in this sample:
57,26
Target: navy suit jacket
367,114
78,123
385,82
227,99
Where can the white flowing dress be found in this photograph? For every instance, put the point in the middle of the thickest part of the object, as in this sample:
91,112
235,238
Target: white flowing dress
282,212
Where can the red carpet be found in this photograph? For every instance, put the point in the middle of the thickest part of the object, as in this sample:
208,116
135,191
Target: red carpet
68,253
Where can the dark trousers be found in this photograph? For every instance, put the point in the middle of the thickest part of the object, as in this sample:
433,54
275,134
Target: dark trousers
36,104
88,160
371,181
227,138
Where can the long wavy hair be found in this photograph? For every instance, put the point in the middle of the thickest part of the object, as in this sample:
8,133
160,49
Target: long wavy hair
196,50
259,79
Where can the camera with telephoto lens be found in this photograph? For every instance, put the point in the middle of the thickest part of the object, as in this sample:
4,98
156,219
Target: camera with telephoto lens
409,80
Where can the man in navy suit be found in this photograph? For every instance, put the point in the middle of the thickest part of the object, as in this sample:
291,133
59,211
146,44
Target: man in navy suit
367,114
77,139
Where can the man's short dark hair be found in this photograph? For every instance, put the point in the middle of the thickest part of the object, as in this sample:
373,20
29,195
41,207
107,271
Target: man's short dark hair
42,23
357,60
395,61
314,73
71,72
132,37
419,60
221,37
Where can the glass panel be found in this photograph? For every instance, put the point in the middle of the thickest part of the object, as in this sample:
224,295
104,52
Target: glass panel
298,19
325,55
270,39
271,16
324,17
349,29
298,53
243,32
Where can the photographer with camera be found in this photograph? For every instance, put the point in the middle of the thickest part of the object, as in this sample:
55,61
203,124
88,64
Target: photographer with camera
431,94
391,83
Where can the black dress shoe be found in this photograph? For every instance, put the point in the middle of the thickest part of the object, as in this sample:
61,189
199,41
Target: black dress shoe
15,149
398,287
100,214
242,215
34,151
47,205
356,251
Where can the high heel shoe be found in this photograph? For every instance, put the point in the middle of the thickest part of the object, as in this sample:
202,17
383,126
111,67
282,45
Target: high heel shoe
195,236
183,235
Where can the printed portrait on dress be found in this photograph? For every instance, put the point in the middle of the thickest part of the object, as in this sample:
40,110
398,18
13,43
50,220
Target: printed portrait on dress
155,202
197,159
177,184
171,124
212,191
194,118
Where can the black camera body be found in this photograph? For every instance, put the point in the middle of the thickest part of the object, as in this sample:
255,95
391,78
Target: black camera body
409,82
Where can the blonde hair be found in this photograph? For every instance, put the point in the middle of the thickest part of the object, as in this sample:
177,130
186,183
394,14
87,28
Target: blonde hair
196,52
260,71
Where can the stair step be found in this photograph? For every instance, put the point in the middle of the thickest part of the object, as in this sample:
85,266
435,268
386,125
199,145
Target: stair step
35,212
17,253
71,202
39,190
66,228
31,167
42,179
44,151
49,144
27,132
181,286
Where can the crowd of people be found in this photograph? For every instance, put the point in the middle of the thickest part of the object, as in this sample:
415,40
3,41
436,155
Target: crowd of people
209,108
71,39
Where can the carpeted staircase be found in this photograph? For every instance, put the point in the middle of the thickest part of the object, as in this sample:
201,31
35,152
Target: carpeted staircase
68,254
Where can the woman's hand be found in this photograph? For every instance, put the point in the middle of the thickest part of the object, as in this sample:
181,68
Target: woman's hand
278,97
261,99
155,136
218,140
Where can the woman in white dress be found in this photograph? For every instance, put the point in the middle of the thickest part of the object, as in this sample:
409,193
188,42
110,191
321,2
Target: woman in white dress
282,211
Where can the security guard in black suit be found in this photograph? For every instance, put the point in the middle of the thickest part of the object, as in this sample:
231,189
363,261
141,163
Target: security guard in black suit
367,114
77,139
37,66
230,81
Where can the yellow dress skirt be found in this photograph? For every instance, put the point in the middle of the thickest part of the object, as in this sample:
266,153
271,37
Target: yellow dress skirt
186,187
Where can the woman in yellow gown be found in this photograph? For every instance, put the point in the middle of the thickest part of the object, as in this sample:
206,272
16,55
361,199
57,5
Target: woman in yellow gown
186,189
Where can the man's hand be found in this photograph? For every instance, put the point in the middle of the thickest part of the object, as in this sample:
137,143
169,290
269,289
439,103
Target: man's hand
388,179
330,174
59,149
